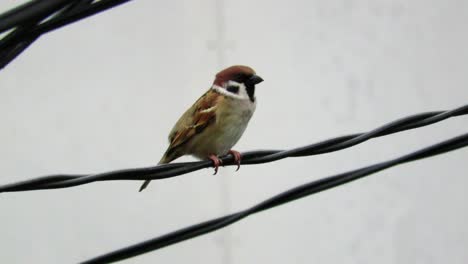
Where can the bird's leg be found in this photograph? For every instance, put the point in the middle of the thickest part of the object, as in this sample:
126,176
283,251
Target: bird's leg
216,162
237,157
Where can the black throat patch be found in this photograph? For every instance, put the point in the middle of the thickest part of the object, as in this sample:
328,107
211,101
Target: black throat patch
250,88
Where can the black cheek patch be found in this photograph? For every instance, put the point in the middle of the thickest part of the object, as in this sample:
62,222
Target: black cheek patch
233,89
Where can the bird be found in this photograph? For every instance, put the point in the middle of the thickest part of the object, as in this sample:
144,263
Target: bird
217,120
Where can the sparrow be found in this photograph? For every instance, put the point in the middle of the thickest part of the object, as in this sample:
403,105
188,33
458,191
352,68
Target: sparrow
217,120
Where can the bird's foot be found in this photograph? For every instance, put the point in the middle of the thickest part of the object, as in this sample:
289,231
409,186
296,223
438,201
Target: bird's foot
237,157
216,162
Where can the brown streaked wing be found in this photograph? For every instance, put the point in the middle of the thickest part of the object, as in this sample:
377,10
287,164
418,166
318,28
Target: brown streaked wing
194,120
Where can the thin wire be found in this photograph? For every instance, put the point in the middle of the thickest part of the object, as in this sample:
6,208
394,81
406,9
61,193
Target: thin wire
22,37
280,199
31,10
27,22
248,158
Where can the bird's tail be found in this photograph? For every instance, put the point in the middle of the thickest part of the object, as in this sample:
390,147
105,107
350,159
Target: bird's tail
163,160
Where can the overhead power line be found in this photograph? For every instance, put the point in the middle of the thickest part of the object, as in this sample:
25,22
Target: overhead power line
277,200
29,21
248,158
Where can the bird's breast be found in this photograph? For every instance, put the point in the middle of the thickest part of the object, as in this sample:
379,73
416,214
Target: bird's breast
232,118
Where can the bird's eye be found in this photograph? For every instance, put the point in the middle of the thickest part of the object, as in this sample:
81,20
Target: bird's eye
233,89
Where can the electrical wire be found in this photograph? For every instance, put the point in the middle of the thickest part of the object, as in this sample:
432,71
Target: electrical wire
29,21
277,200
248,158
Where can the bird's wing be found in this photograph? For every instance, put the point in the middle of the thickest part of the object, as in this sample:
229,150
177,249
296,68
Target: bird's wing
198,117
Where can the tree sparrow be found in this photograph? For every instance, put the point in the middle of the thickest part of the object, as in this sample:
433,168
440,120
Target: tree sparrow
217,120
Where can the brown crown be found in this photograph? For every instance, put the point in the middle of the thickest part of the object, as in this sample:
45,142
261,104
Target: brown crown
239,73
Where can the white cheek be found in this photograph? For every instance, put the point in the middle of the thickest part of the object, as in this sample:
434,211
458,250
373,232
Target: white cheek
242,94
243,91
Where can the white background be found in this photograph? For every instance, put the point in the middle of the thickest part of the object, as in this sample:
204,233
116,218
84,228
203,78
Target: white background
103,93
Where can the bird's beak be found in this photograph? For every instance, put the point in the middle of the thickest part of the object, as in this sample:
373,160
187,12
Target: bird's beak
255,79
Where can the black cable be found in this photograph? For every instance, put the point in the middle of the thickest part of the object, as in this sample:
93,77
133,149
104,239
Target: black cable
31,10
280,199
92,9
21,38
253,157
28,25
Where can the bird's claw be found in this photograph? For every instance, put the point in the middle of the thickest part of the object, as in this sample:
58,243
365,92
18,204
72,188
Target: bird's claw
216,163
237,157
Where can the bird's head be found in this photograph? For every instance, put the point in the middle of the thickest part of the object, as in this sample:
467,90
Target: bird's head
238,81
